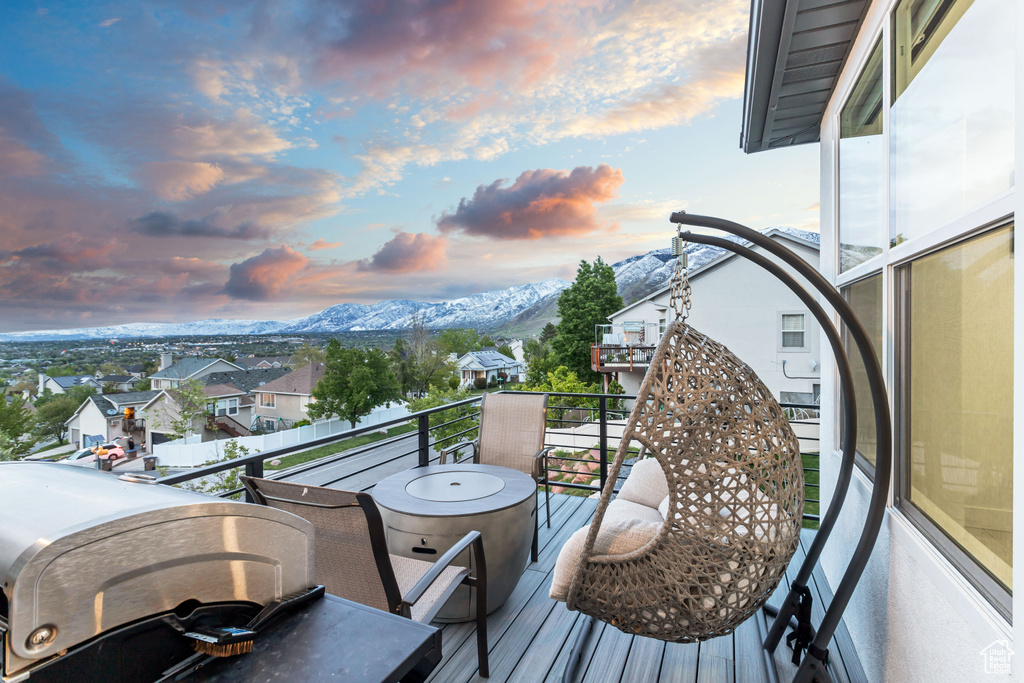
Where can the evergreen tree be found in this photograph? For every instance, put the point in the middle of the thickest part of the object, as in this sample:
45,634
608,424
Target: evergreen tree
548,333
51,416
582,306
15,423
355,382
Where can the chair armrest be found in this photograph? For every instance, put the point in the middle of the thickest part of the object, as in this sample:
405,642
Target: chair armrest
540,463
457,447
472,538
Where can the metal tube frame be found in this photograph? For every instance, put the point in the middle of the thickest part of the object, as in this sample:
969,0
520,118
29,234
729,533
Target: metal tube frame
812,668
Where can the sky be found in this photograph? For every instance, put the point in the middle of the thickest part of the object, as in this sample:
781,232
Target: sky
192,159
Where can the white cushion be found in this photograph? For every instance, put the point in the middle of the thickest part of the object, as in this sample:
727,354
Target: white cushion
663,508
619,535
619,510
646,484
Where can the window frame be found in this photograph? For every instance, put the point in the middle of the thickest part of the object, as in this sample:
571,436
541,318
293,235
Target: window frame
806,346
268,400
1000,598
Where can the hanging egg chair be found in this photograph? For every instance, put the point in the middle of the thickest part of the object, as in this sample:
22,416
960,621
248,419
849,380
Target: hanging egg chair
733,513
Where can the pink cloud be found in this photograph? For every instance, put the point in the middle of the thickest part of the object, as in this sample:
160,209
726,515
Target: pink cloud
541,203
178,181
264,276
324,244
408,253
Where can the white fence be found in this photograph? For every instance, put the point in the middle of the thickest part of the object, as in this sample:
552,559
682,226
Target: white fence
193,451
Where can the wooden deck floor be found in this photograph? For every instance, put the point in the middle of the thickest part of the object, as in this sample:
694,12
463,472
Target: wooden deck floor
530,637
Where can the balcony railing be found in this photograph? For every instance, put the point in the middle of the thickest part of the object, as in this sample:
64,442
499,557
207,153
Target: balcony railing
615,358
583,429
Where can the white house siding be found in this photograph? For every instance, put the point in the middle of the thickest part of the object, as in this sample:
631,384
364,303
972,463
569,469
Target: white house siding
217,366
915,616
90,421
739,304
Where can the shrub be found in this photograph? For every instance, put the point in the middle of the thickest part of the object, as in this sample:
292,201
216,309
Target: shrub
301,423
480,382
493,382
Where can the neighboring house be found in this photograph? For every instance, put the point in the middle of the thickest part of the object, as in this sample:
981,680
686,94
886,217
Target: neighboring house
517,351
60,385
191,367
263,363
103,417
918,109
136,370
120,382
230,405
284,401
737,304
488,365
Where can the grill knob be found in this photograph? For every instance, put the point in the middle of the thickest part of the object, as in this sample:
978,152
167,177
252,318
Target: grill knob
41,637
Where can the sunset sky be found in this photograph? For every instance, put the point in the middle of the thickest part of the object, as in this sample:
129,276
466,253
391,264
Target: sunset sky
179,160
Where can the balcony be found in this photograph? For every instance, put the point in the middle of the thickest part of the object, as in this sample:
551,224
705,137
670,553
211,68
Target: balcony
624,347
531,636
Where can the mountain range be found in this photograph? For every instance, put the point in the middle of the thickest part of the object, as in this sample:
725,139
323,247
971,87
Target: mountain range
522,309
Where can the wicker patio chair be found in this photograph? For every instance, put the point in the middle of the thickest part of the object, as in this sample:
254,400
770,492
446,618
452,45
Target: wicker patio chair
512,429
352,559
731,520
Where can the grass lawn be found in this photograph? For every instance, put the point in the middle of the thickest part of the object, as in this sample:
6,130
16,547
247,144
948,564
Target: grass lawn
811,489
331,449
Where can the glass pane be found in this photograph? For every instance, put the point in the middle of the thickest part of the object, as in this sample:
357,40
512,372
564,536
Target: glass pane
862,169
952,138
792,322
959,386
793,340
865,298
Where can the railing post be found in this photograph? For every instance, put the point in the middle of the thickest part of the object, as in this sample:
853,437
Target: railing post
602,413
253,469
423,424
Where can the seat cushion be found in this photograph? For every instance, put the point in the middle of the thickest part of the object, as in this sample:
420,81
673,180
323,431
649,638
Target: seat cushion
646,484
408,571
626,527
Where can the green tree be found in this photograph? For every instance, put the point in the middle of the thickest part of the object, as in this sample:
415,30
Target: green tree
191,406
227,480
111,369
582,306
143,385
460,417
506,350
306,354
401,365
539,361
355,382
486,342
548,333
458,340
16,423
52,415
429,364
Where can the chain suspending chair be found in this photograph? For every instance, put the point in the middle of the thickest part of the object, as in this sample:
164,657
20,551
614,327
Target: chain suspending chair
716,548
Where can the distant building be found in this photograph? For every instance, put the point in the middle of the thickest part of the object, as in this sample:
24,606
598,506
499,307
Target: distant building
487,365
171,373
60,385
285,401
103,417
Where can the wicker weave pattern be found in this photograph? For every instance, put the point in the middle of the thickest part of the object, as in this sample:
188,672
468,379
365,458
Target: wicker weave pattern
735,483
345,563
512,430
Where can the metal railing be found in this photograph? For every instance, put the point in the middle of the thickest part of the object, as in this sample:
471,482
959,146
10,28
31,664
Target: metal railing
583,429
604,357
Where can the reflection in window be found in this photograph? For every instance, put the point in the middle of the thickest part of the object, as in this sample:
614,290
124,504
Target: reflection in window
957,390
865,298
951,142
792,330
862,168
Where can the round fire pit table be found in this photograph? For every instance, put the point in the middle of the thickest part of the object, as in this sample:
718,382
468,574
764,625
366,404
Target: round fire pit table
427,510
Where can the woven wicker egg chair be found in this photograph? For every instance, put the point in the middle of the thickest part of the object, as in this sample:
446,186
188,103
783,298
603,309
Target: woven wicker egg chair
735,501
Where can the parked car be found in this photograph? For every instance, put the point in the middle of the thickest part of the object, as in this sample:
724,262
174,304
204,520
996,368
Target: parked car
86,457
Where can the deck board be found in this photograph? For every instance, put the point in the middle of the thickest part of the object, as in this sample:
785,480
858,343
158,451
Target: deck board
530,636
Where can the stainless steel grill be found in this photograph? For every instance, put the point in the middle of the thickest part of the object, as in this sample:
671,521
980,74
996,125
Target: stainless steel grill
86,557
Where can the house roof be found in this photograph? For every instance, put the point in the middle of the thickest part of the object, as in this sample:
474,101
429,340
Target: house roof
117,379
808,239
246,380
73,380
253,361
300,381
796,50
217,390
187,367
132,397
486,360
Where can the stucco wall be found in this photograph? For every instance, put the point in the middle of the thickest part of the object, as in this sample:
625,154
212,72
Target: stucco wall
287,406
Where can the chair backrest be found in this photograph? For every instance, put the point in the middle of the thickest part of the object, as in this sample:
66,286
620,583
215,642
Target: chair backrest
351,551
512,429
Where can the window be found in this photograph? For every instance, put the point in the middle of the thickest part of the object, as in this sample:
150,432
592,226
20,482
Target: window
952,118
227,407
865,298
662,326
793,332
955,405
232,406
268,400
862,168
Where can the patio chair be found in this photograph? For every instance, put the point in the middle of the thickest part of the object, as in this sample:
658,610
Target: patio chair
352,559
512,428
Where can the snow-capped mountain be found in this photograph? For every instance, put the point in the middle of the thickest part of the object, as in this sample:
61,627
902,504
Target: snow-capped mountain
637,276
